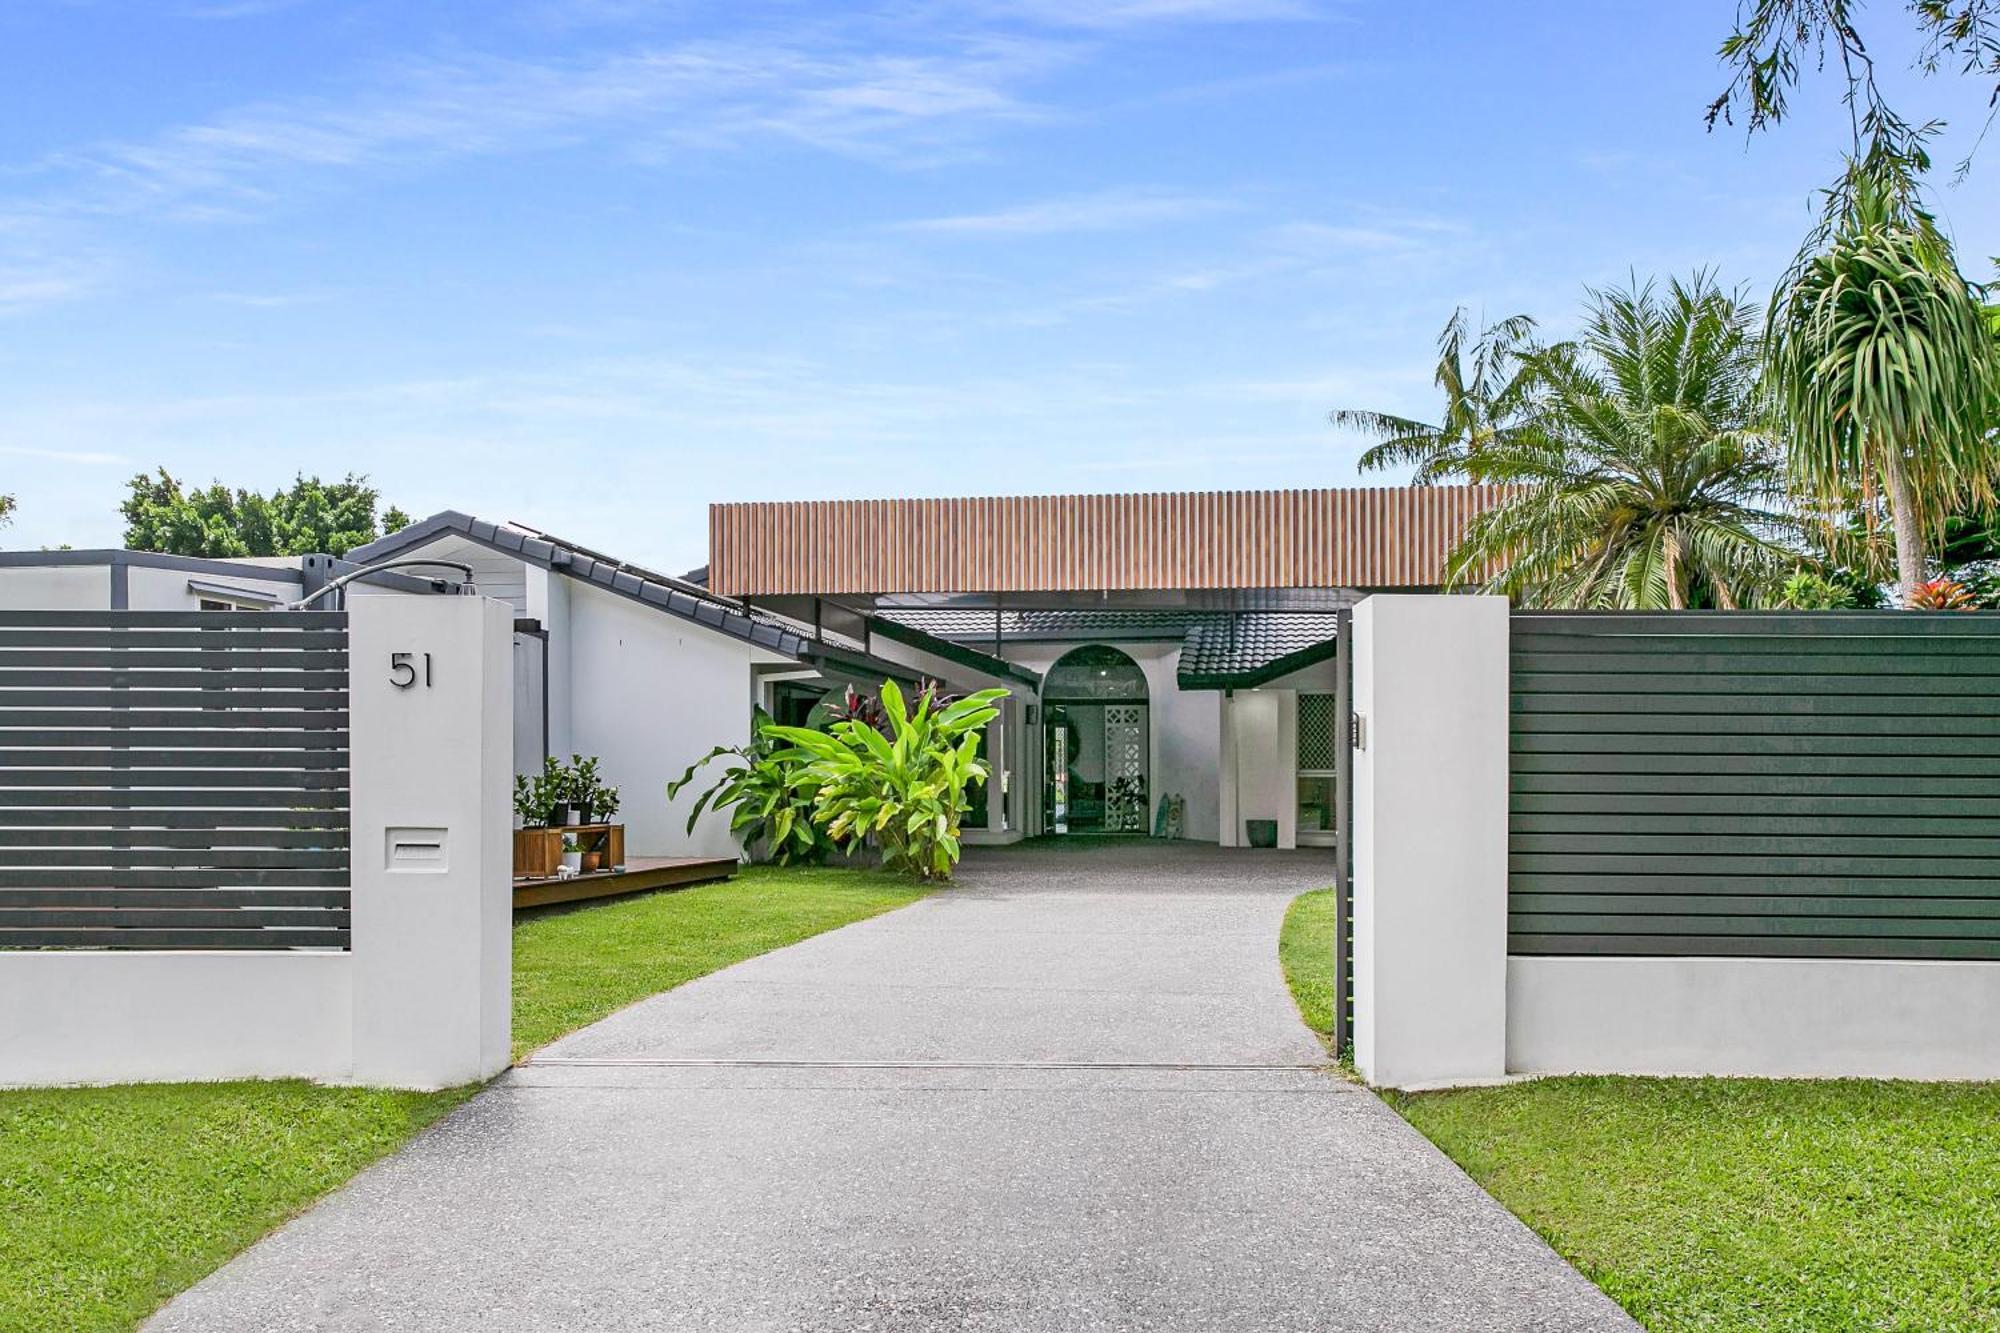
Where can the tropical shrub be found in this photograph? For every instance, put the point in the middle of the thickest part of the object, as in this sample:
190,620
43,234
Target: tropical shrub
903,792
1941,595
1808,590
768,790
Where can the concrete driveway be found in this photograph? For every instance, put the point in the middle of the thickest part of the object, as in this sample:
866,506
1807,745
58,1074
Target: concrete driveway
1070,1092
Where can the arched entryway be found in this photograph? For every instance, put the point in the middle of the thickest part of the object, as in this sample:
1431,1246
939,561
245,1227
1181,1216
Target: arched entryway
1097,743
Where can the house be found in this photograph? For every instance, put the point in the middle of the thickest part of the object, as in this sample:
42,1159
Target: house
1171,658
1186,642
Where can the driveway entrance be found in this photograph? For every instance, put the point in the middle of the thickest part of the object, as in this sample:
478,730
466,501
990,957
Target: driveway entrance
1069,1092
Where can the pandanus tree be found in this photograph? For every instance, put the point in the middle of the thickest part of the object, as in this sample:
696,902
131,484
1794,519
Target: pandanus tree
1886,369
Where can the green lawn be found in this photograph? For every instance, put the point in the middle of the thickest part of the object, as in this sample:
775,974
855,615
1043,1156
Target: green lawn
113,1199
1305,952
1749,1203
1726,1204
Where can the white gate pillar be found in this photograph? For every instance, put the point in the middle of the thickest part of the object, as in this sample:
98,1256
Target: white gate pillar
431,717
1430,839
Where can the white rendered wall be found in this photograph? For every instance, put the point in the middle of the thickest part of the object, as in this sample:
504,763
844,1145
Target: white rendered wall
118,1017
55,588
548,600
649,694
148,588
1263,731
1430,839
1763,1017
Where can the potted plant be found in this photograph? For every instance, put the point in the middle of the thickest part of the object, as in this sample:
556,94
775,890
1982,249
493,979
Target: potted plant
528,805
553,788
593,860
584,789
572,857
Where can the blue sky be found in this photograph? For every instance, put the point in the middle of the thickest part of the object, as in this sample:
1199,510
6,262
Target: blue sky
591,264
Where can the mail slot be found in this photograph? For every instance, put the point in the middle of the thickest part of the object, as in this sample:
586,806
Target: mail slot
420,850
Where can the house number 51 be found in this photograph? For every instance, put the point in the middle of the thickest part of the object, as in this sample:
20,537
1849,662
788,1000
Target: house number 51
403,670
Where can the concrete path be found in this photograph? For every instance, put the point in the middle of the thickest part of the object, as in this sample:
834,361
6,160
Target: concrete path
1069,1093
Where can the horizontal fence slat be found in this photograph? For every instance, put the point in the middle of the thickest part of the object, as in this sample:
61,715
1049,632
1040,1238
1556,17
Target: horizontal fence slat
104,757
1609,741
142,620
1806,905
1736,946
139,721
1798,723
279,938
179,659
176,779
264,638
263,817
182,798
1678,649
101,898
1917,827
218,677
12,878
1597,805
1659,883
1971,766
126,918
191,838
1781,864
208,700
1912,625
1844,668
192,738
1944,709
116,862
1761,926
1759,784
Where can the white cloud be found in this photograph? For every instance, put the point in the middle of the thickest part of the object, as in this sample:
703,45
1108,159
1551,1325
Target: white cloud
1111,210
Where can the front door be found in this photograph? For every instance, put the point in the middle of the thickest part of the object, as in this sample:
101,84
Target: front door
1099,768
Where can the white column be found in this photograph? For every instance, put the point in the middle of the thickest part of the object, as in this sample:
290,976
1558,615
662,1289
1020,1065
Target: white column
431,694
1430,839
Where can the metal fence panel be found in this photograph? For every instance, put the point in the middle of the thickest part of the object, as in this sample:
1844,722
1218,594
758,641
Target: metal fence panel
173,780
1822,785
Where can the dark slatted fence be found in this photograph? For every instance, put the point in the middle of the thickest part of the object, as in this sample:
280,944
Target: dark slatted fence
1810,785
173,780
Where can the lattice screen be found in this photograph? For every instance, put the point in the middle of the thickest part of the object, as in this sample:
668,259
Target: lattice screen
1318,733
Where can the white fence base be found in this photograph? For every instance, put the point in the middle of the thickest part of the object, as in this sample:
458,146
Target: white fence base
1770,1017
154,1017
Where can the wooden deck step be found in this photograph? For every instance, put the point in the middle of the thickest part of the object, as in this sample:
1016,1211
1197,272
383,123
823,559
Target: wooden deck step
640,874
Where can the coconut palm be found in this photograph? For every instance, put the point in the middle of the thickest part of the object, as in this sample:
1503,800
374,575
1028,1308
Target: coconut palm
1883,362
1649,479
1483,401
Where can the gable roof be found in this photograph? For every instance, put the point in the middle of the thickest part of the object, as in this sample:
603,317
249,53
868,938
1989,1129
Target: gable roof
669,595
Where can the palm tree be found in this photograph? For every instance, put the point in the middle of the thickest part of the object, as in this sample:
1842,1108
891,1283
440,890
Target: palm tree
1882,360
1483,402
1649,479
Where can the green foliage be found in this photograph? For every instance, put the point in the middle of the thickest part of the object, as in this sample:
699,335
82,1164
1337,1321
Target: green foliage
529,807
1485,402
1882,360
6,510
1809,590
1710,1204
309,516
768,791
904,792
1648,476
1306,943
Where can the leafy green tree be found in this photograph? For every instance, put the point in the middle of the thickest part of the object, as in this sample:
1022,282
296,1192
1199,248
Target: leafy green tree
6,510
1649,477
1886,371
1485,400
308,516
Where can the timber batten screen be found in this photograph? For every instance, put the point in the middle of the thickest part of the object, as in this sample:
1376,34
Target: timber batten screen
173,780
1384,537
1808,784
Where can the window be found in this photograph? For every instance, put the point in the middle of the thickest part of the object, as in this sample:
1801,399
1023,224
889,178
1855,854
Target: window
1319,754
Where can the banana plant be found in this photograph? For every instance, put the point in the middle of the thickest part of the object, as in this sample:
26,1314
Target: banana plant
768,790
904,790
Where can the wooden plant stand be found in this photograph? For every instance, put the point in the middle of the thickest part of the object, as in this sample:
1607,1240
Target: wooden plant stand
538,851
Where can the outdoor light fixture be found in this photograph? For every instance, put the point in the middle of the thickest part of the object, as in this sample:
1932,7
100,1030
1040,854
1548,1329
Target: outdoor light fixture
464,587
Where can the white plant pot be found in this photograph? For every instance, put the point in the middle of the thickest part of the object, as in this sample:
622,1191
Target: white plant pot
572,863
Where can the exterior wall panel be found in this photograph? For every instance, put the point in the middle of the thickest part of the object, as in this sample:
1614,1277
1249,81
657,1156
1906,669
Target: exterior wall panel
1364,538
